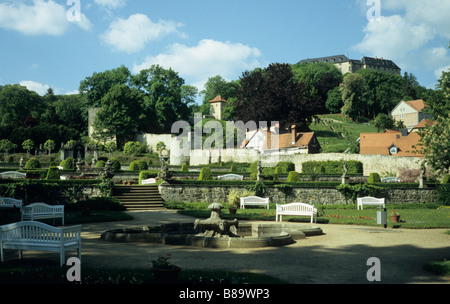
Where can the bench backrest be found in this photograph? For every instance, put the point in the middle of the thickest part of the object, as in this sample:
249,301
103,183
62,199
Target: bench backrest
369,199
10,201
296,207
230,177
14,175
38,232
42,208
254,199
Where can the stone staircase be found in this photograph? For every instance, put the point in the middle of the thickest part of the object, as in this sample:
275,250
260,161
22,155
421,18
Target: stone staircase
139,197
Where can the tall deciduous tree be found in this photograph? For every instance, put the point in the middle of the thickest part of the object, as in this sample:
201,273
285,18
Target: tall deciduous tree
354,91
273,94
121,114
435,142
17,103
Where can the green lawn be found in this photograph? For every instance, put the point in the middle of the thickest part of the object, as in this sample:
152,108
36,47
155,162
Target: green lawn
339,132
416,218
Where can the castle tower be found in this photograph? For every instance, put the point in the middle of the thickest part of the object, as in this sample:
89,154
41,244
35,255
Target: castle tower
217,107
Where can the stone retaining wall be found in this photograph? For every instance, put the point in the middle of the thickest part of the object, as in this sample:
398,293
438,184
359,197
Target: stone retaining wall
314,196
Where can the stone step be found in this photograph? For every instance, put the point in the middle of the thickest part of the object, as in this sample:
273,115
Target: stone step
139,197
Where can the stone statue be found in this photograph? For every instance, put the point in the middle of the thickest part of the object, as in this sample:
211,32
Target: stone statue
344,170
215,226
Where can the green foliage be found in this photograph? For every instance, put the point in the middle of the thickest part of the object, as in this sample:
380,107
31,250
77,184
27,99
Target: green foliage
115,164
50,145
138,165
132,147
143,175
53,173
184,168
258,188
205,174
97,204
352,192
285,167
443,195
374,178
293,177
253,167
100,164
383,122
67,164
332,167
33,163
446,179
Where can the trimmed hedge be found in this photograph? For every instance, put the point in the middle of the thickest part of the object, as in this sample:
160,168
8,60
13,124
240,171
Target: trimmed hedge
143,175
332,167
53,173
374,178
205,174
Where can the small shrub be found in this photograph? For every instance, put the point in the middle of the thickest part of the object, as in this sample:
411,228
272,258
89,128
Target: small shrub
53,173
285,167
446,179
143,175
205,174
294,177
184,168
33,163
100,164
374,178
138,165
115,164
67,164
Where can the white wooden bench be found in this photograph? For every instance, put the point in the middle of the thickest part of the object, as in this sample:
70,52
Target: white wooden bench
8,202
297,209
13,175
230,177
370,201
254,201
148,181
40,237
39,211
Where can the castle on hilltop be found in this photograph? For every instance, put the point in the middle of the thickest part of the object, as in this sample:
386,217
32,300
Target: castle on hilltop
347,65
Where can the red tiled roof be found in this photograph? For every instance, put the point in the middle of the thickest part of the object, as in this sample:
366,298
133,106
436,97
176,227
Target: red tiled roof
302,140
380,143
425,123
218,99
418,105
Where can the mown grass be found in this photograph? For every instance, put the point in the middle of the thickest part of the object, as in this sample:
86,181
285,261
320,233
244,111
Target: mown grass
412,216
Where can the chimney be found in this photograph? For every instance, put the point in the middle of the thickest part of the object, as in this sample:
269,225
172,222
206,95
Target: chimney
293,134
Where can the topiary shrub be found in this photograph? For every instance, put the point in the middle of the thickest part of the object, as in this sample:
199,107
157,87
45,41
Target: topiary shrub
115,164
100,164
184,168
33,163
205,174
138,165
53,173
67,164
285,167
374,178
446,179
294,177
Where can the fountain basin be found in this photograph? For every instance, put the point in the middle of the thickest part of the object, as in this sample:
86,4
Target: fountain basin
252,235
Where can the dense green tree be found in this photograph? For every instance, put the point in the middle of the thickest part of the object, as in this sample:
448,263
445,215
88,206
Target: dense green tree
435,142
334,101
354,91
17,103
273,94
383,122
167,99
214,87
320,78
28,145
121,115
95,87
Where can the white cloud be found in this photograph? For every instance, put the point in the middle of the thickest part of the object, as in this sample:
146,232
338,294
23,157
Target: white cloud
409,36
37,87
40,18
131,35
207,59
111,4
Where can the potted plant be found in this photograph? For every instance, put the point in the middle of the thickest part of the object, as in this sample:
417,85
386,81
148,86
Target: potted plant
395,216
233,207
164,271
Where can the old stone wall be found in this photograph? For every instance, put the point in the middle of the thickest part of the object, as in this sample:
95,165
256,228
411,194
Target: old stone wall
385,165
313,196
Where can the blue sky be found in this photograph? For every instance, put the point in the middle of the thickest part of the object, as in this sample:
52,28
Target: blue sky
43,47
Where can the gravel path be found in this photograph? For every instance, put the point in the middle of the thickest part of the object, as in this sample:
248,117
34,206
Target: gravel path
338,257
